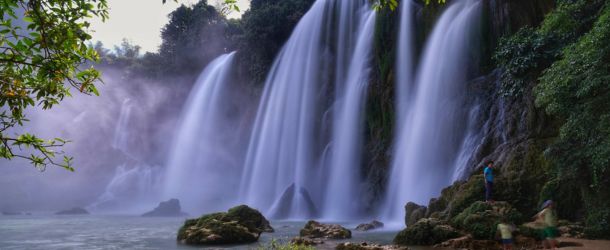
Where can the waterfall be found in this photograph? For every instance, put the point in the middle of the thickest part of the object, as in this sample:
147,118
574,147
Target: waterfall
133,183
285,171
405,58
342,200
121,133
203,167
432,132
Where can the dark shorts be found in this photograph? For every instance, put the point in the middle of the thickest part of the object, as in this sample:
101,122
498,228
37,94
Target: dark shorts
549,233
507,241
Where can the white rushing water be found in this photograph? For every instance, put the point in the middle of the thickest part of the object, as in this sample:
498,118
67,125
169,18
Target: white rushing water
434,126
134,183
203,168
285,174
405,59
343,192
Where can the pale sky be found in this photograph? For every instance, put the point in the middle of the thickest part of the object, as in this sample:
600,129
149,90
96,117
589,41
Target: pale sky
140,21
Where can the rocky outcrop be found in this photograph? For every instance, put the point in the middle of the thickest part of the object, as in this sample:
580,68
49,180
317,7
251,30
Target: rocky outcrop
306,241
170,208
240,224
369,226
282,207
368,246
426,231
481,219
314,229
467,242
413,213
73,211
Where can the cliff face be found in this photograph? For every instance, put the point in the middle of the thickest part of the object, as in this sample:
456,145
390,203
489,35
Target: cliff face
512,131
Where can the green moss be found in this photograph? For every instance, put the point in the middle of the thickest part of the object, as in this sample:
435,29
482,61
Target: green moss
481,219
426,232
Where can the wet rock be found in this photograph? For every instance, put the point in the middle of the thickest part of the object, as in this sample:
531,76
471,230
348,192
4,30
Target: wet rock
284,205
467,242
170,208
73,211
413,213
370,226
368,246
426,231
314,229
240,224
306,241
481,219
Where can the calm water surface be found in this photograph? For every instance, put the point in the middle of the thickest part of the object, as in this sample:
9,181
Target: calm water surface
51,232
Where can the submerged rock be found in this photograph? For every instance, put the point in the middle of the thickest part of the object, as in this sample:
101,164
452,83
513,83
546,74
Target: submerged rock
369,226
73,211
170,208
314,229
285,204
368,246
240,224
427,231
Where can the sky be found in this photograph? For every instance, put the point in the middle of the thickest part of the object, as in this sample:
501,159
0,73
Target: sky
140,21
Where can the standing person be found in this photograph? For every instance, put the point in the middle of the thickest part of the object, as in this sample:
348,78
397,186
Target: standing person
505,230
549,232
489,180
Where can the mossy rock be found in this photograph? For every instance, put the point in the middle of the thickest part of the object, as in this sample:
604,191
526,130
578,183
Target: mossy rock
314,229
240,224
427,231
481,219
413,213
465,194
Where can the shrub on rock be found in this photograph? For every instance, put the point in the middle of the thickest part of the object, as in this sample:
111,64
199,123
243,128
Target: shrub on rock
481,219
240,224
427,231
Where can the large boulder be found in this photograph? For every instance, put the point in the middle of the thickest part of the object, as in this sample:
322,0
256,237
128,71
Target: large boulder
413,213
369,226
314,229
481,219
426,231
73,211
170,208
240,224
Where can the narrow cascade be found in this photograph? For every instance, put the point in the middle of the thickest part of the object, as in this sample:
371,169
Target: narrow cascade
434,128
203,167
121,134
343,188
134,182
405,59
284,174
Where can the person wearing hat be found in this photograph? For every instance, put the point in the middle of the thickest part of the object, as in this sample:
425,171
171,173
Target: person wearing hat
549,219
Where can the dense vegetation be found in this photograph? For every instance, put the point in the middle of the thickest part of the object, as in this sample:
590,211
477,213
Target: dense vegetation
565,62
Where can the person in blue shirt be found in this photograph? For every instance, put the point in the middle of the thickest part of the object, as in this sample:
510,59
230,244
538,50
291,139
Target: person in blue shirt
489,180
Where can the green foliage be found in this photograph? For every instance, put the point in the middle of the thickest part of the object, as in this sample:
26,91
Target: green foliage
575,88
43,44
193,37
481,219
525,54
266,26
426,232
277,245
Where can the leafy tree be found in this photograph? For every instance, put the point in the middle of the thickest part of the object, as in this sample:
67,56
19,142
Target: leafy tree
576,89
43,44
192,38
